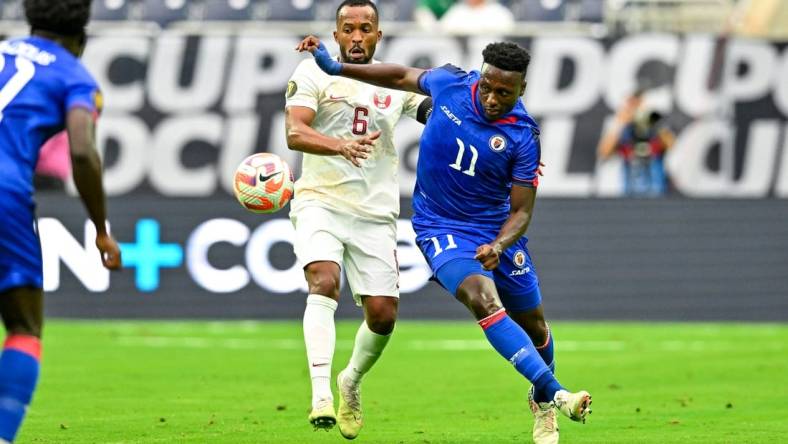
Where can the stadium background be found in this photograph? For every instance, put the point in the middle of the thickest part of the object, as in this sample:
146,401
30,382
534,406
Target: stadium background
183,107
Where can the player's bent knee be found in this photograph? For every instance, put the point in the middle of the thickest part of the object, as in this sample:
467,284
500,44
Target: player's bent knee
481,304
483,307
479,295
381,314
323,280
382,318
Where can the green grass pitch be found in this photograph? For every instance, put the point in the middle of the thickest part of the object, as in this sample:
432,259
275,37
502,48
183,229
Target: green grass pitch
438,382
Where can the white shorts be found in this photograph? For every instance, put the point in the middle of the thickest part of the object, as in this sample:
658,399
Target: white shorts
366,250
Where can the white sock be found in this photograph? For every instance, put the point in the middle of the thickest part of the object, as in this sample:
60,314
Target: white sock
320,337
366,351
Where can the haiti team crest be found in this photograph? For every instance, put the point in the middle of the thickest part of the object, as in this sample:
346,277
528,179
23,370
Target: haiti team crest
381,99
519,258
497,143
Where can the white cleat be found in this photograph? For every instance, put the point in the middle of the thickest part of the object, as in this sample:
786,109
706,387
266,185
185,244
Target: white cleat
349,413
322,416
545,420
576,406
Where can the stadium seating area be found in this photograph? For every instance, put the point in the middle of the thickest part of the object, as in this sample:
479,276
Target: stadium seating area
615,13
166,11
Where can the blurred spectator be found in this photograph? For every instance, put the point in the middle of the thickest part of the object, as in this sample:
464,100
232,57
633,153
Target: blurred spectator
228,10
477,17
641,138
165,12
110,10
428,12
292,10
760,18
540,10
54,164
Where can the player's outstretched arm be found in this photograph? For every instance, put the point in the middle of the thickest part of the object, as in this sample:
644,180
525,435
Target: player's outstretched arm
522,207
302,137
87,177
387,75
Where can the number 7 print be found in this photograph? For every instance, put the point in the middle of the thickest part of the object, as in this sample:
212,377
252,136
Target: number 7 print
24,72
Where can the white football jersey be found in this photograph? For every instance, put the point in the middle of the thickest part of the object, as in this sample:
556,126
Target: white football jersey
349,109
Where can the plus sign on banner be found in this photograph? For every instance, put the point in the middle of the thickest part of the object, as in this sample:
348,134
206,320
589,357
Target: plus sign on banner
148,255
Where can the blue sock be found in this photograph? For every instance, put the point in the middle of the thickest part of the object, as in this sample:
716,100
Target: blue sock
511,341
18,377
547,353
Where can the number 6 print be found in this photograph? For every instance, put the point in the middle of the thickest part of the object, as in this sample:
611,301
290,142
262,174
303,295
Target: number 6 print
360,120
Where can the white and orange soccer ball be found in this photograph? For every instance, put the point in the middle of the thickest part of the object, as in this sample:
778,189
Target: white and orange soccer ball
263,183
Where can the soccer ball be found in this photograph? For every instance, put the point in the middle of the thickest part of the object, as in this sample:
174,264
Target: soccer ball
263,183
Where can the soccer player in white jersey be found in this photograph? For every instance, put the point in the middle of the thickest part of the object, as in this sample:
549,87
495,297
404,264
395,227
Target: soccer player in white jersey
345,208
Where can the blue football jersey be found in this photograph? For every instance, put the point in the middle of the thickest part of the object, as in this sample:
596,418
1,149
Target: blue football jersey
467,164
40,81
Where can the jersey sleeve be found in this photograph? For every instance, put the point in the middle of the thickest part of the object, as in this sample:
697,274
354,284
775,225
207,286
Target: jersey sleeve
302,90
526,162
436,79
82,91
411,105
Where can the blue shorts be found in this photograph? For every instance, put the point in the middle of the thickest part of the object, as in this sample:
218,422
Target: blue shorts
450,255
20,248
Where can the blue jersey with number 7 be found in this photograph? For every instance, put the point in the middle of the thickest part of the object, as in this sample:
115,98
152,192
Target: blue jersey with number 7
467,164
39,82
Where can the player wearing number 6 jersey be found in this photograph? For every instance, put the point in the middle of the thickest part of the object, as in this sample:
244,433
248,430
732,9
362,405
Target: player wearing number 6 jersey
43,89
345,208
475,190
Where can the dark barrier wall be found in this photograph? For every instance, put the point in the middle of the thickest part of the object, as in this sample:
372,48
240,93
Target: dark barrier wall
673,259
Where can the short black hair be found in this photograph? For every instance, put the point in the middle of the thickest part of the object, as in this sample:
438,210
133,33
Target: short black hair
63,17
369,3
507,56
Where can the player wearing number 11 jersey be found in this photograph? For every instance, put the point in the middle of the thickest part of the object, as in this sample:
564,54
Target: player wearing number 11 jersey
476,186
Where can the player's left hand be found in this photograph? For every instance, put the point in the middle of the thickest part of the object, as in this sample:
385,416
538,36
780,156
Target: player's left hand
321,55
489,256
110,252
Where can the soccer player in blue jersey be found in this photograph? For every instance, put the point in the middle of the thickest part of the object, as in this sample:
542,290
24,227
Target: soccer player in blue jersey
475,190
43,89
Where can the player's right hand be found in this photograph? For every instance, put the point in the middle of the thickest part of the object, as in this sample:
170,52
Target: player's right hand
355,150
110,252
489,256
